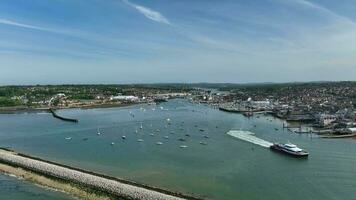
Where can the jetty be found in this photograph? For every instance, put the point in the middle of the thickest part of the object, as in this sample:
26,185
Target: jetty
339,136
230,109
62,118
111,185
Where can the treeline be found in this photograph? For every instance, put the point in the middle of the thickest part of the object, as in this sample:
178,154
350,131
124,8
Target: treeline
8,102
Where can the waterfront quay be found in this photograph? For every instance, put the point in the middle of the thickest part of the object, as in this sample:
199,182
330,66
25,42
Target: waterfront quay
328,107
95,181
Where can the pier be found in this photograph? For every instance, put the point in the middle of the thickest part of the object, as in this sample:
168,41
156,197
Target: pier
62,118
111,185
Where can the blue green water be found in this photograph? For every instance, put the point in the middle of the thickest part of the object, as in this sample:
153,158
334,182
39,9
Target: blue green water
12,188
225,168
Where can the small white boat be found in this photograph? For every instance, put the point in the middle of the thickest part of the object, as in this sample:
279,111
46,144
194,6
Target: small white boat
123,137
112,143
68,138
140,140
98,132
183,146
159,143
141,127
203,143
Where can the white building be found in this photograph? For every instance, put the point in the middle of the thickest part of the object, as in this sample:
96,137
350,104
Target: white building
351,130
124,98
326,119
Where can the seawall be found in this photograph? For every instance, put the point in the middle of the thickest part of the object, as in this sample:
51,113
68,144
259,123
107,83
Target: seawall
62,118
110,185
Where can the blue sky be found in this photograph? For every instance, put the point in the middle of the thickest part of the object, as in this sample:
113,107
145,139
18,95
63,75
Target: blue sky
141,41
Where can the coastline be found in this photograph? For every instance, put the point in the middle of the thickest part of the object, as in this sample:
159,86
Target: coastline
53,184
20,110
80,182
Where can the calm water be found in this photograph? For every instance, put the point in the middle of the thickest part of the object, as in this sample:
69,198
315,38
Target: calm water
225,168
14,189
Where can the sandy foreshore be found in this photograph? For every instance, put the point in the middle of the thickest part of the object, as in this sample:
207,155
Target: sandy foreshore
80,182
55,184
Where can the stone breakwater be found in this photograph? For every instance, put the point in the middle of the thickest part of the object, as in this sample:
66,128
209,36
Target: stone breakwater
114,187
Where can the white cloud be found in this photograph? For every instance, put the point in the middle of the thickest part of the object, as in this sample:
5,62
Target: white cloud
322,10
149,13
14,23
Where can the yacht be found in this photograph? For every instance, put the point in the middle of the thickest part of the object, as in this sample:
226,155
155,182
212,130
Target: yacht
290,149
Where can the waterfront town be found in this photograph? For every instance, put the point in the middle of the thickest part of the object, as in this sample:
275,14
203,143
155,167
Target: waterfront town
327,108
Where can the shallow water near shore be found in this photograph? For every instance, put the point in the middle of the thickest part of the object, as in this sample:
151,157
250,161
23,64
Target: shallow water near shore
13,188
224,168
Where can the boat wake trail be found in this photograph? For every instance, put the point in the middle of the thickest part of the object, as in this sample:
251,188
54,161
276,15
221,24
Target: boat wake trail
249,137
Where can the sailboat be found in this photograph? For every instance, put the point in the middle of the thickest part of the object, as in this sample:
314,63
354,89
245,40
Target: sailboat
98,132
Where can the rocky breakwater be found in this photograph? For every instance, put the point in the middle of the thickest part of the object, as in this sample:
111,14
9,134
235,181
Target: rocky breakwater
113,187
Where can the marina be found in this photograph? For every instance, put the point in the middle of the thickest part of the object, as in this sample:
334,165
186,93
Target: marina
177,100
215,167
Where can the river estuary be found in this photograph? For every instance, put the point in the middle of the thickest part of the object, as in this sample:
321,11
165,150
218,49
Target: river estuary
212,164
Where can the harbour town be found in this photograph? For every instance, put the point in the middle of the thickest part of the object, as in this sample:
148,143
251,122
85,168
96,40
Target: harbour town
171,120
325,108
177,100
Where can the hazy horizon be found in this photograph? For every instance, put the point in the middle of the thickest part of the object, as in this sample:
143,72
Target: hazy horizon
182,83
132,41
